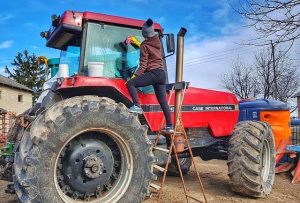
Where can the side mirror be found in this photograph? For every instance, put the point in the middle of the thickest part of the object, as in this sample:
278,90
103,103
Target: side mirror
170,43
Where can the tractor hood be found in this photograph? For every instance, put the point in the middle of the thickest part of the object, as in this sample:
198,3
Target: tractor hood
216,110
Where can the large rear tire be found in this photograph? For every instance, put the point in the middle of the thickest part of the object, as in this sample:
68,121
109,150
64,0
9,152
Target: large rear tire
84,149
251,159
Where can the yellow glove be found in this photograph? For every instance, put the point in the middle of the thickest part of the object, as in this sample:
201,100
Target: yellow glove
134,41
133,76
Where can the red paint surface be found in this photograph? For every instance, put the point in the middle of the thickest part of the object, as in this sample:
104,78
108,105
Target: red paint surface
68,18
220,123
71,18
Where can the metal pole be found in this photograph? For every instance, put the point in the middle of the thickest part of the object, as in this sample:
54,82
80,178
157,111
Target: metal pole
274,70
179,71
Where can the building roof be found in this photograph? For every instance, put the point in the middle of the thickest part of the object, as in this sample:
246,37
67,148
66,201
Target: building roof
296,95
11,83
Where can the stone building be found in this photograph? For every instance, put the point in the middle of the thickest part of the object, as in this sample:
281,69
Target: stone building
14,97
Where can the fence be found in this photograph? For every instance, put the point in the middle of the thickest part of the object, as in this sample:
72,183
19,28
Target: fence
6,120
296,134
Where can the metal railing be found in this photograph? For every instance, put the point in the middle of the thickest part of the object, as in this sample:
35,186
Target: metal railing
296,134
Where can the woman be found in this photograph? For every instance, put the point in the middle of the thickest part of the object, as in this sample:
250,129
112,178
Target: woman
150,72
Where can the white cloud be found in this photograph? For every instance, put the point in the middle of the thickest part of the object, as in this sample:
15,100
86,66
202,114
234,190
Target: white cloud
161,20
223,10
5,17
30,24
6,44
2,71
205,59
35,47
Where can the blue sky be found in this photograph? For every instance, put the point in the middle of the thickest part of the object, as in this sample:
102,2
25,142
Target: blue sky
214,29
22,21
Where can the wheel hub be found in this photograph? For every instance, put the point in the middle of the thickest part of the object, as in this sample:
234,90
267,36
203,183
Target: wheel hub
88,168
93,166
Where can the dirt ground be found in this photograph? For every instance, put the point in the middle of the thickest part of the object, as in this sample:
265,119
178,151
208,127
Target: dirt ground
215,180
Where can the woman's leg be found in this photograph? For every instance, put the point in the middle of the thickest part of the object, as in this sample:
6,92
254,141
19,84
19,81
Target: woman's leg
160,92
139,81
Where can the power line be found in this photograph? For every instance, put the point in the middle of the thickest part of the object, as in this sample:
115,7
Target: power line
212,59
218,55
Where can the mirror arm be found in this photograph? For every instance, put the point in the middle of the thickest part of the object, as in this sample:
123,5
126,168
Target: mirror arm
170,54
162,35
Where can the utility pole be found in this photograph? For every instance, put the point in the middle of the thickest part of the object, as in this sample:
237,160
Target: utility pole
274,70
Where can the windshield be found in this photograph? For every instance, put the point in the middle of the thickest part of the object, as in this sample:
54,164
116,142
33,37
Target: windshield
71,57
103,45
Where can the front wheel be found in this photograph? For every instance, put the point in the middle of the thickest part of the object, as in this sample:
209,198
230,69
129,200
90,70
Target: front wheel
84,149
251,159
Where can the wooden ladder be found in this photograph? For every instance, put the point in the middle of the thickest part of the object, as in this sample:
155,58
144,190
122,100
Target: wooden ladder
178,130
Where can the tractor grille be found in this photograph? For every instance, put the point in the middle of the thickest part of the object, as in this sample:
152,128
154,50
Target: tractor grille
296,134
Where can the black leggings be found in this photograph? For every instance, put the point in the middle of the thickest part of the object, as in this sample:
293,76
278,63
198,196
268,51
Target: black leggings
157,78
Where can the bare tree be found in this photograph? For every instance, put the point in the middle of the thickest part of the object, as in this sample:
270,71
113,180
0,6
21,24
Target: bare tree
280,83
263,79
241,81
288,84
279,19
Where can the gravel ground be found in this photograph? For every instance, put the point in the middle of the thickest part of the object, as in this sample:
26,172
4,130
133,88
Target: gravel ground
215,180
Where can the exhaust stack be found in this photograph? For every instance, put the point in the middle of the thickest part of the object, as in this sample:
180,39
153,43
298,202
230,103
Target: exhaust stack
179,71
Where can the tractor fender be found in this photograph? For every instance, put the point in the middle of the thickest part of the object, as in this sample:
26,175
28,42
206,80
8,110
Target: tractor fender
113,88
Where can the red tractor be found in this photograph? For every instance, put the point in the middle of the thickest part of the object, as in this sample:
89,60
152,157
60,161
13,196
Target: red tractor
82,144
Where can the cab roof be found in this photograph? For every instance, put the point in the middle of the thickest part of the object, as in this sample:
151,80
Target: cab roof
116,20
76,19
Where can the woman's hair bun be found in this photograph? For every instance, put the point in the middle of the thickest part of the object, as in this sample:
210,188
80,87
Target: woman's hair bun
149,22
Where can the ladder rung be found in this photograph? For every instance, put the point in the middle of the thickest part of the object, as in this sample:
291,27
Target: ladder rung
156,187
161,149
194,198
158,168
169,134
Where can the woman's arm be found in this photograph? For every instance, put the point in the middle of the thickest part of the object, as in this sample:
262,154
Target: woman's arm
143,60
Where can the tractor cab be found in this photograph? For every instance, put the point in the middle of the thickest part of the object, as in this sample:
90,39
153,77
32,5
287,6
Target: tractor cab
91,40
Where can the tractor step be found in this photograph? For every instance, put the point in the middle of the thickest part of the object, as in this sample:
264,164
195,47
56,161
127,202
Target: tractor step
159,168
161,149
156,187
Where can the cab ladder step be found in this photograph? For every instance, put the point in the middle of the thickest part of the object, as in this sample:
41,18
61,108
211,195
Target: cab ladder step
159,168
161,149
156,187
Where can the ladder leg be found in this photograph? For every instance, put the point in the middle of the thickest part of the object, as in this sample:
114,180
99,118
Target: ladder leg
178,127
197,172
181,175
166,167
